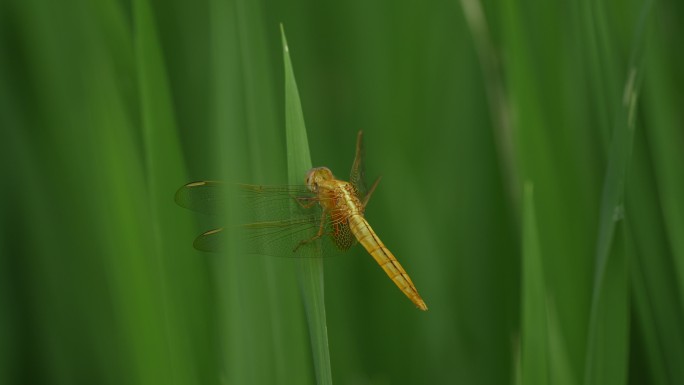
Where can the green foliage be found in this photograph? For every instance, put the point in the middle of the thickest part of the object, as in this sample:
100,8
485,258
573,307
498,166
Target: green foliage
106,108
310,269
534,350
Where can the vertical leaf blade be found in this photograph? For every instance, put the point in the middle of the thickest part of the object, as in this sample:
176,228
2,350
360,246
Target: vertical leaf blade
311,269
606,358
534,352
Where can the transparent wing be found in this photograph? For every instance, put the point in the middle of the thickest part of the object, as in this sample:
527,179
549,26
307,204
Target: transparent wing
358,172
281,221
206,197
212,241
286,221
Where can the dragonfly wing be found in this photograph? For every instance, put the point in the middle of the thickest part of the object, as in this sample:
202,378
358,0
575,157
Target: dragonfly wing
212,241
206,197
358,172
297,236
339,230
280,221
273,238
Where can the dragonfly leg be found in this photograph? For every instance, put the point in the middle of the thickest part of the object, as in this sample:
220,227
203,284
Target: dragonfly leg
300,201
370,191
315,237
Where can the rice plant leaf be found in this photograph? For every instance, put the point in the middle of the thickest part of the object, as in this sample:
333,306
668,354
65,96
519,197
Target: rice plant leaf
534,354
180,276
311,269
659,341
606,358
665,137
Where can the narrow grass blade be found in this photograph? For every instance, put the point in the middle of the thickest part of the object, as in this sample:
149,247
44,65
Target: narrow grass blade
248,348
606,358
665,138
180,272
658,341
609,330
560,366
499,106
311,269
534,341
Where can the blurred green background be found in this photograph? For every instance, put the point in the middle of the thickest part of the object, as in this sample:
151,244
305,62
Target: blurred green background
533,188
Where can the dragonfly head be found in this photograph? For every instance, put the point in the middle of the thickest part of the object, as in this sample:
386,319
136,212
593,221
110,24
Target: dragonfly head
317,175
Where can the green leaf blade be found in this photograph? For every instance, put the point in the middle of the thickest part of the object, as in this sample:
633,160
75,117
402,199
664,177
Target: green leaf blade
311,269
534,351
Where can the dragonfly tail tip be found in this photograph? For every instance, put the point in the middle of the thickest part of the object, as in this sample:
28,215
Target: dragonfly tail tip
422,306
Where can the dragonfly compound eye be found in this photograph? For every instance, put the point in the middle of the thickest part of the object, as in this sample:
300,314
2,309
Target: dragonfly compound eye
311,180
316,176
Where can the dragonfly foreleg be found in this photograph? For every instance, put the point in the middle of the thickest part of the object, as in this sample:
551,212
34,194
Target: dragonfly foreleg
305,202
321,231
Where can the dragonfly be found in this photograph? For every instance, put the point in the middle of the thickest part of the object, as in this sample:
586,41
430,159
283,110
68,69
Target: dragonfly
324,214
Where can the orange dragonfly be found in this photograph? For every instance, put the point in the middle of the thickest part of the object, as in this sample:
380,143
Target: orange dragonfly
292,220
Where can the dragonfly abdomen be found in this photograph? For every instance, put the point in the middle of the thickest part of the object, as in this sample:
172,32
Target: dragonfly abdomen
371,242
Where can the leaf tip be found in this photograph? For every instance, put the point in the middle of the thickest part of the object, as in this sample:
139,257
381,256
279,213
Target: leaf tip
282,34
